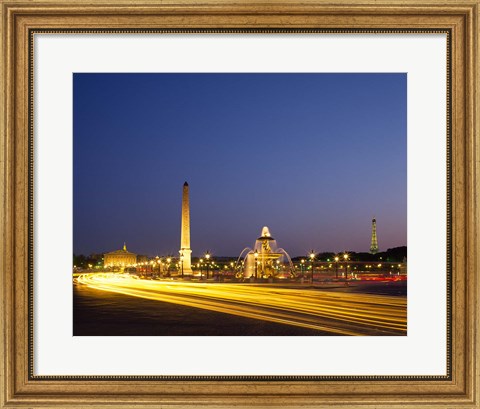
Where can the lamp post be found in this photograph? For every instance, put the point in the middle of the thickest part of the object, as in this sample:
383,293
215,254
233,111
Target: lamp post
181,261
207,256
302,262
336,267
169,260
312,260
345,257
201,268
256,263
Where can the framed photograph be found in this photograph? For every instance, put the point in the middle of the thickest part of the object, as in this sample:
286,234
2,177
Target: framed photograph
222,204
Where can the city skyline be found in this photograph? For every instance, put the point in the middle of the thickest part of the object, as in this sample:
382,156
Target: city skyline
312,156
208,250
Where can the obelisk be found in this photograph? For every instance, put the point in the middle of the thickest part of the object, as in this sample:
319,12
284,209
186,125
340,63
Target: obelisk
185,250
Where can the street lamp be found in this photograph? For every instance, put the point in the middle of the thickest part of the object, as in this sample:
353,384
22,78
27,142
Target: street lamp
169,260
181,261
336,267
207,256
345,257
256,266
302,262
312,260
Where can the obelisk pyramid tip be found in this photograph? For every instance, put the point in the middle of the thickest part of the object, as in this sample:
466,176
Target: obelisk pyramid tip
185,184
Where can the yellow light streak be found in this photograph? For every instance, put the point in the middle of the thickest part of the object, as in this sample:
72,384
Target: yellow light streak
334,312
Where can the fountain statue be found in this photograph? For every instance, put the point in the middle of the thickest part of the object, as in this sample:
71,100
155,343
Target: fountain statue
265,260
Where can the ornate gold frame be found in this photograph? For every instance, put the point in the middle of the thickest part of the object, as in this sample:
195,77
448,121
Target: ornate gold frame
19,388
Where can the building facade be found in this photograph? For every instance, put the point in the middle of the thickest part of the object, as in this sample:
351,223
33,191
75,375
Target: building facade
119,258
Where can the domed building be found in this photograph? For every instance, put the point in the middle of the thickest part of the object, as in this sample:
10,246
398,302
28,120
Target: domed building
119,258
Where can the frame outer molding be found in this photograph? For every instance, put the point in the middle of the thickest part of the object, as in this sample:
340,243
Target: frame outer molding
16,387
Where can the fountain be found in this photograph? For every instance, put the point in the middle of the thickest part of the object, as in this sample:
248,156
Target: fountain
265,260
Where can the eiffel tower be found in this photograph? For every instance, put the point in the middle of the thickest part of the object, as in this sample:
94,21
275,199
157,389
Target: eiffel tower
374,245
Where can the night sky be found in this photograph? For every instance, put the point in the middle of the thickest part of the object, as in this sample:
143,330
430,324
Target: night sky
312,156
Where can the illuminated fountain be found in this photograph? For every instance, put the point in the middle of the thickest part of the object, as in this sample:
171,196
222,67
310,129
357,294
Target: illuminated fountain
265,260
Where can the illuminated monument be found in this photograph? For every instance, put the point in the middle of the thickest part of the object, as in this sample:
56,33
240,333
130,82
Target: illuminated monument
265,260
185,251
374,245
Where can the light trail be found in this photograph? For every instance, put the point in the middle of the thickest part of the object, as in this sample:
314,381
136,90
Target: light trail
337,313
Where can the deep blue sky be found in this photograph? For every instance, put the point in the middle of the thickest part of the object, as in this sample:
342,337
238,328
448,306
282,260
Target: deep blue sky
311,156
